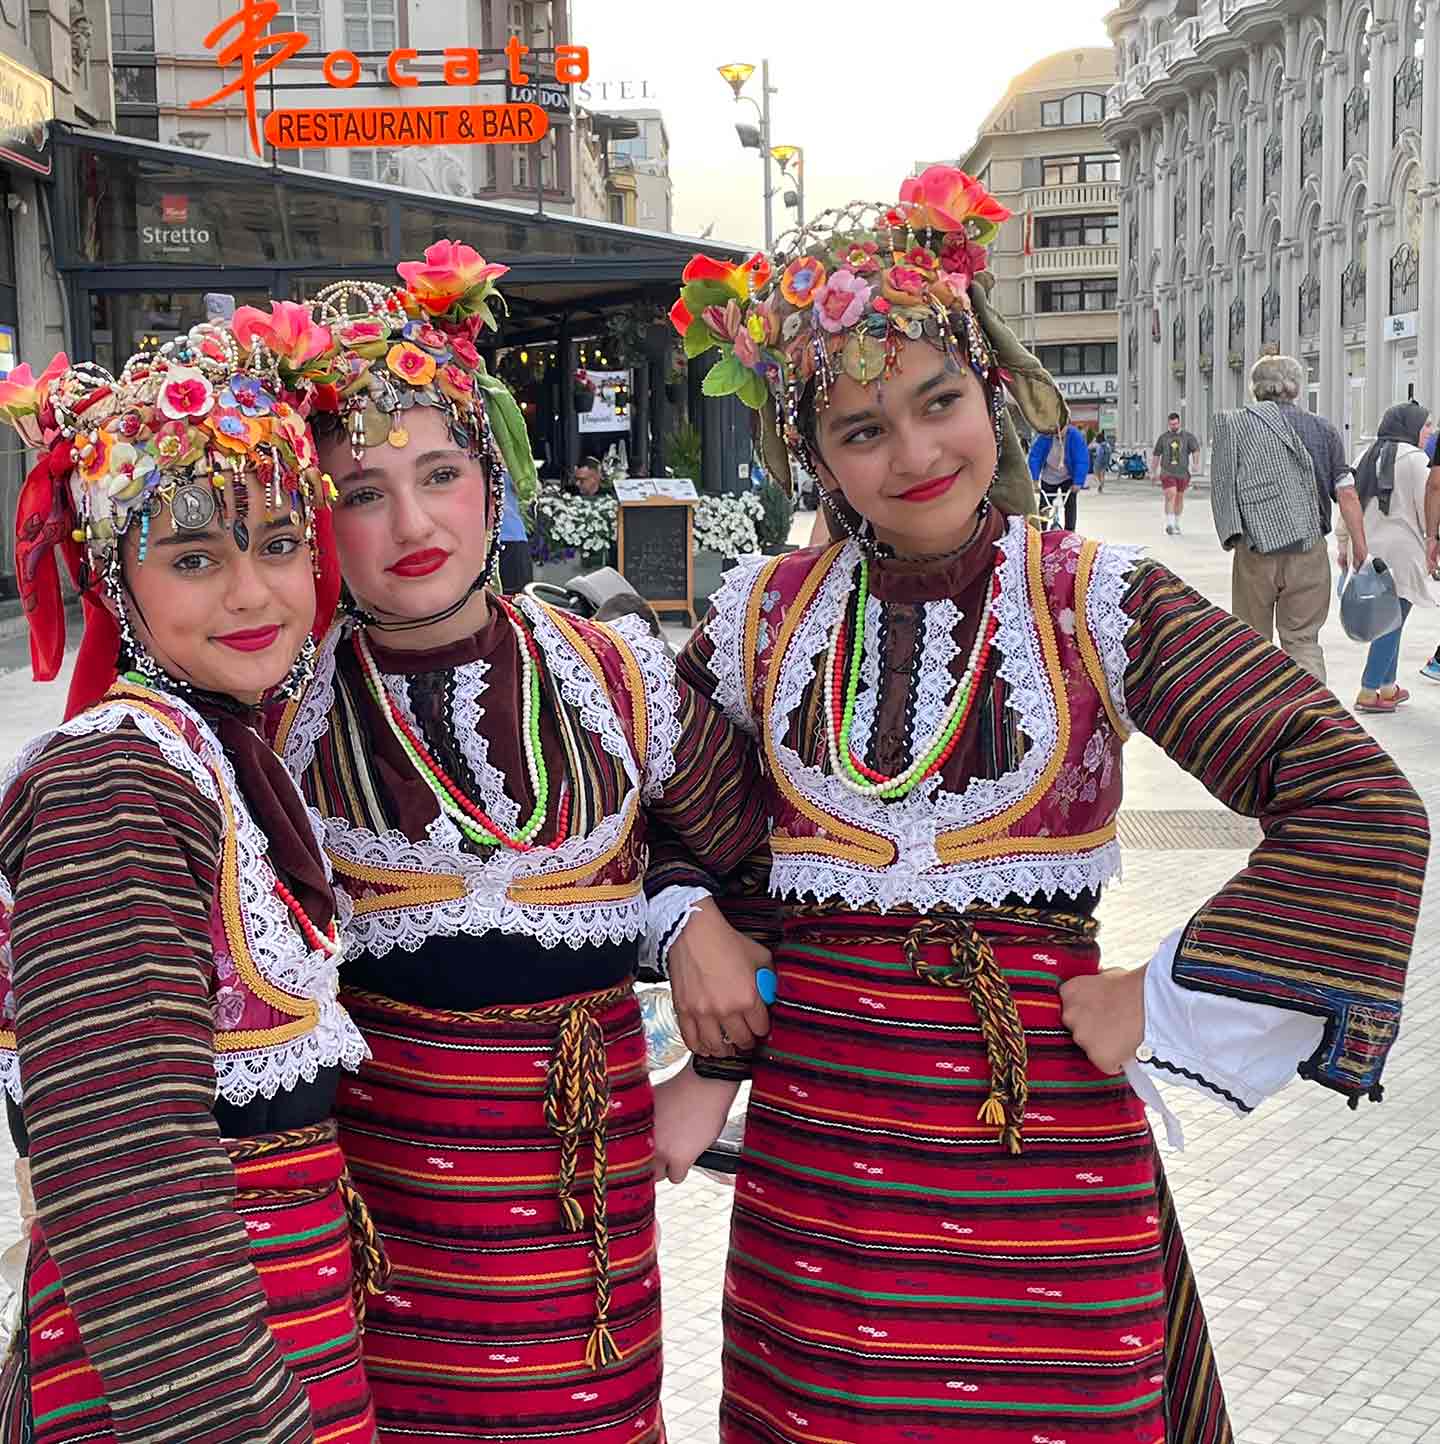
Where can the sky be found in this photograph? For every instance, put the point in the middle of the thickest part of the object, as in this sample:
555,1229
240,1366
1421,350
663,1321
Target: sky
867,89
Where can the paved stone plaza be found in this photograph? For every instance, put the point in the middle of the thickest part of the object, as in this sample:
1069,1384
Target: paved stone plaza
1315,1231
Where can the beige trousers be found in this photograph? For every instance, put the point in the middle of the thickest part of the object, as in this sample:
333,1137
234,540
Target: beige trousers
1285,592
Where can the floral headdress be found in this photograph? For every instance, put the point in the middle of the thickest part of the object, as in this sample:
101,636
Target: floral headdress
176,430
840,295
393,348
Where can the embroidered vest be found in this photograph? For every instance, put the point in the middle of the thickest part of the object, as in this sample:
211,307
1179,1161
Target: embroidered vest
1047,827
615,680
277,1020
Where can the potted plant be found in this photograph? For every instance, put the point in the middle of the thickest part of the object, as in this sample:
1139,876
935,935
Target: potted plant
584,391
684,453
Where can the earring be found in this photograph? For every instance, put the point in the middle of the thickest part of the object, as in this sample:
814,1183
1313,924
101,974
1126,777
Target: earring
134,655
298,678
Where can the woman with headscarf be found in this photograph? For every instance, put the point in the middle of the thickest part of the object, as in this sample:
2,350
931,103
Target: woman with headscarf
1390,486
950,1221
170,1038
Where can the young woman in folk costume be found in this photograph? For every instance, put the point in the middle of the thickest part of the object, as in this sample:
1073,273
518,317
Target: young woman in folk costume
950,1220
168,933
481,765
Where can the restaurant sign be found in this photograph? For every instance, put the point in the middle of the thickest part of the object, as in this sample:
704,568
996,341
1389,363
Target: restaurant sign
245,39
27,105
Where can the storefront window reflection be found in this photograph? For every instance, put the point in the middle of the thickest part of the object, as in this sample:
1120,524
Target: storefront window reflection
124,323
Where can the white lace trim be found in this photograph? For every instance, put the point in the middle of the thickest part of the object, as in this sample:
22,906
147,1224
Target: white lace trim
486,903
867,697
312,712
662,703
1107,619
275,945
580,687
938,651
959,885
912,824
725,626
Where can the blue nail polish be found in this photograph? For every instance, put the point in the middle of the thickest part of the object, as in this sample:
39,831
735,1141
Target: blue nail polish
766,984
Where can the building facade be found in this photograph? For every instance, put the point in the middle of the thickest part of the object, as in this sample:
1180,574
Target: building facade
1281,193
1042,153
162,65
54,65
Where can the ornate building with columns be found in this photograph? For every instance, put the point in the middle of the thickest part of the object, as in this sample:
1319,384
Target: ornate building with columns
1280,192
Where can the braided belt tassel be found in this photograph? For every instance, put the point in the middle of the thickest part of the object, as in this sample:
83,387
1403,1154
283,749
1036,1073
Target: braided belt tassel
371,1265
973,966
577,1101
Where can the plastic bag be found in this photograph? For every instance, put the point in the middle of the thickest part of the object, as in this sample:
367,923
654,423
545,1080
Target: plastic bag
1369,603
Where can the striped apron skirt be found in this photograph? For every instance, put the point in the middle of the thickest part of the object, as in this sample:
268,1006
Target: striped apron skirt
507,1155
310,1244
897,1269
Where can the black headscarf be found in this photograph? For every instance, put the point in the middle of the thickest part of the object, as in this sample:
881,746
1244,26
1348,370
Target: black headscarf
1375,476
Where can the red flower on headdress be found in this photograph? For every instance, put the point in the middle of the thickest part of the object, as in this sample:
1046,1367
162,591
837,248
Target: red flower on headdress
680,317
464,351
287,330
946,199
450,272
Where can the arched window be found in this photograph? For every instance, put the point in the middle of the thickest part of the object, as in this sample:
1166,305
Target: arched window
1084,107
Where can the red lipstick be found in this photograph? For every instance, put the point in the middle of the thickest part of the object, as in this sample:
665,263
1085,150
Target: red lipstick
254,640
420,564
929,490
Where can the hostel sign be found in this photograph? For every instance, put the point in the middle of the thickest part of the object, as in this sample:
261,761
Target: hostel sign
245,39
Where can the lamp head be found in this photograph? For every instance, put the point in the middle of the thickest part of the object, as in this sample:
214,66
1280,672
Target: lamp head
736,75
787,153
749,134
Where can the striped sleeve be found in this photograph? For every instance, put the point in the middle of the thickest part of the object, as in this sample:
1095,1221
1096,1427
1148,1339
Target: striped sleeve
1322,920
113,859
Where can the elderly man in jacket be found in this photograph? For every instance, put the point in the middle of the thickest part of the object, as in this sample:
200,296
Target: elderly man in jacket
1062,469
1275,471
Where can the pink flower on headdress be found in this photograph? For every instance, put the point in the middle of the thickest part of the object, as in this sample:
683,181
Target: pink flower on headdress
450,272
747,353
922,258
962,258
185,392
464,352
946,199
457,383
861,257
840,302
904,285
171,441
725,321
24,397
801,279
363,332
287,331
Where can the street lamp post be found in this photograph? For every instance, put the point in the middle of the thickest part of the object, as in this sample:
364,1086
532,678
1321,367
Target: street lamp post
786,155
735,75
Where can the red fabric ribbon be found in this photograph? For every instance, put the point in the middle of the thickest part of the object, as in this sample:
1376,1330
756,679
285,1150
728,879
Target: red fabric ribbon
44,520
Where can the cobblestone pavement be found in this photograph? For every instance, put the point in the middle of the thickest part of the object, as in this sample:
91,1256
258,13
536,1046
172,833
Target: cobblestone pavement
1314,1230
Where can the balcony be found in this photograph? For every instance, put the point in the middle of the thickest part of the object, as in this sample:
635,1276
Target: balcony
1092,259
1072,198
1215,19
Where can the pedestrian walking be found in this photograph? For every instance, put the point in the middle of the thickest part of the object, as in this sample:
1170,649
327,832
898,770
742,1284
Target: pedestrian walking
169,951
1101,454
486,771
1174,450
1275,472
1390,485
1060,463
1431,670
942,1160
516,569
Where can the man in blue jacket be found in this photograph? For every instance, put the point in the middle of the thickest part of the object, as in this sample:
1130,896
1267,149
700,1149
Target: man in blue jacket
1060,469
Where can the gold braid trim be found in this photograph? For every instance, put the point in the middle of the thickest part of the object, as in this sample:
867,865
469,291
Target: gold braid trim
577,1105
370,1266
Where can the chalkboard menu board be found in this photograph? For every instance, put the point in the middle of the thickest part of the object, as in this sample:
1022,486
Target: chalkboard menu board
656,552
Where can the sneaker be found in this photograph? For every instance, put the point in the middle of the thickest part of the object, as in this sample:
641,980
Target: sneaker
1178,532
1431,670
1169,528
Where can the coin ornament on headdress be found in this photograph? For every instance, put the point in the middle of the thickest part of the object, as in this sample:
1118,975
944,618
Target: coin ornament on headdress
840,296
398,347
174,429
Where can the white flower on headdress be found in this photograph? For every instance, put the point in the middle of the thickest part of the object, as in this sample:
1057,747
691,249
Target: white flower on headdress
184,393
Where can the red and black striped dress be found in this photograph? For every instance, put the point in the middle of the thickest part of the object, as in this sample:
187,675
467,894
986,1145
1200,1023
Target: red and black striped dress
948,1224
503,1130
192,1270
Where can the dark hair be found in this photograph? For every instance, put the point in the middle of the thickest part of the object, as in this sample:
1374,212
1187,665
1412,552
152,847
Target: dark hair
1173,416
592,462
